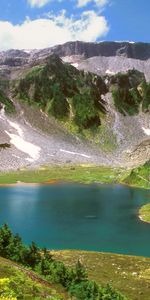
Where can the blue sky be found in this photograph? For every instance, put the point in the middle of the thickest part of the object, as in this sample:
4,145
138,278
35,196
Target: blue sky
42,23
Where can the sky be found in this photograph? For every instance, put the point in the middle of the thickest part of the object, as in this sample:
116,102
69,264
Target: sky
29,24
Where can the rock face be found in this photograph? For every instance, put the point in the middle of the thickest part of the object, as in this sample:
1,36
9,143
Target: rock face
130,50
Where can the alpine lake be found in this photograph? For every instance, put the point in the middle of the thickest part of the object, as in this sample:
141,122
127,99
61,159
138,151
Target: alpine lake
77,216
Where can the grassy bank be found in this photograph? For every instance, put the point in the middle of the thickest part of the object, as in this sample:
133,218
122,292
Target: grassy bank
144,213
129,274
84,173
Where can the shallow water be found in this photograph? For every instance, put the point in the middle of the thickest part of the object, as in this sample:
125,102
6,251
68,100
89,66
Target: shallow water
74,216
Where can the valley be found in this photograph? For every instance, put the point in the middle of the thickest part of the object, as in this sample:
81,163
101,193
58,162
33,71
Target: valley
75,171
55,113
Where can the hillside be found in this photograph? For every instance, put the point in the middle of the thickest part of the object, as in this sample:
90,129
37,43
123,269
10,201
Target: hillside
25,259
140,176
52,112
20,283
64,92
129,274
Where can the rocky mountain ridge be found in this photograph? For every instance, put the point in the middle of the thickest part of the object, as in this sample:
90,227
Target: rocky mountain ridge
100,58
139,51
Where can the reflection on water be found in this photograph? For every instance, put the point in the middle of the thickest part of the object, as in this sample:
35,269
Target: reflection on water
91,217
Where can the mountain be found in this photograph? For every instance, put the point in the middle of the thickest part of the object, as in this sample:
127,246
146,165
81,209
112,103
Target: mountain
75,103
100,57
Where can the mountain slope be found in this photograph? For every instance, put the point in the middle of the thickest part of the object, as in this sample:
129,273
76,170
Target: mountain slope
64,92
20,283
65,115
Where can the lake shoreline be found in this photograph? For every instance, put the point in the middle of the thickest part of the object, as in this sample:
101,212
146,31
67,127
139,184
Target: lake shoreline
83,174
28,184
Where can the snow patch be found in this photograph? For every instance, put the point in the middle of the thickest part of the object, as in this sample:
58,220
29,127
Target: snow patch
110,72
130,42
32,150
16,156
75,65
27,50
146,131
17,127
75,153
18,141
2,112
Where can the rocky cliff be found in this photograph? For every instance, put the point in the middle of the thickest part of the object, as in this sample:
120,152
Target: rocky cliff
139,51
130,50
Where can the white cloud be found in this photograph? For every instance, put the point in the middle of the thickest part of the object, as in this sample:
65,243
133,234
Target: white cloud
99,3
46,32
82,3
38,3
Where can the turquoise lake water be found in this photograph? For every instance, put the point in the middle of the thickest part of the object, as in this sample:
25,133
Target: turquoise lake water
74,216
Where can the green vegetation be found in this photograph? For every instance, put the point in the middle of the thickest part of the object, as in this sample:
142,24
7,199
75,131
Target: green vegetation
145,92
76,97
128,274
82,173
4,84
74,280
130,92
127,101
140,176
144,213
18,283
9,107
61,90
